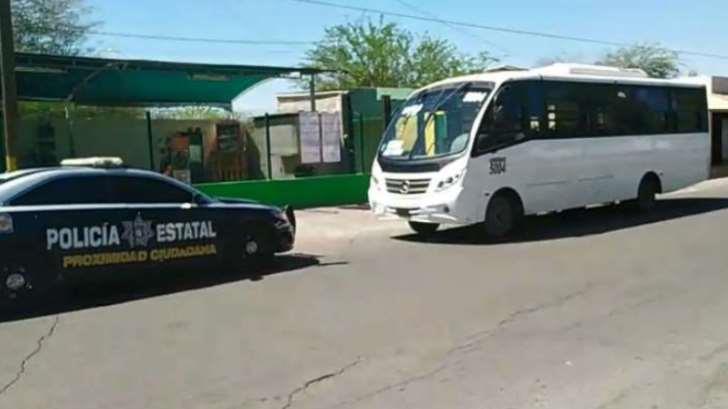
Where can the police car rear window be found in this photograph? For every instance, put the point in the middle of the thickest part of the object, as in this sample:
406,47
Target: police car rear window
68,190
12,186
6,177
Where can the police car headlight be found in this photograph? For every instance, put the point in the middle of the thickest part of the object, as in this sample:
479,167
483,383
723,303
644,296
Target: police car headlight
450,181
6,224
281,219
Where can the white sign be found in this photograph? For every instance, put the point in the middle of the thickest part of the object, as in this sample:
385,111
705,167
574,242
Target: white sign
310,136
331,130
195,153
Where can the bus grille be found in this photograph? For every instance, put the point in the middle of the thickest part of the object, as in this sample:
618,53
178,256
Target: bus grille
408,186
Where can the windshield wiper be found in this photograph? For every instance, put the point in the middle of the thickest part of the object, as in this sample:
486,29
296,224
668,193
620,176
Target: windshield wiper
443,99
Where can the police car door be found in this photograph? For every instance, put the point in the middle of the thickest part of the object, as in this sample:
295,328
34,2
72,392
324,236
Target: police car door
72,224
167,224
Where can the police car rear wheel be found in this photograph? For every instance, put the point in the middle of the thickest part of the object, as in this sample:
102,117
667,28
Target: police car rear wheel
18,285
251,248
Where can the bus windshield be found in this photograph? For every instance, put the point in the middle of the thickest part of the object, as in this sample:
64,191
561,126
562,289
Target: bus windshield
435,122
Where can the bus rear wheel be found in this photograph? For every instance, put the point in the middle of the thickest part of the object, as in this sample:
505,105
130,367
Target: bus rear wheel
424,229
647,193
503,216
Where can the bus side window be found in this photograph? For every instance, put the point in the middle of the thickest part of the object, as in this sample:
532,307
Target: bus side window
690,110
654,107
565,117
507,120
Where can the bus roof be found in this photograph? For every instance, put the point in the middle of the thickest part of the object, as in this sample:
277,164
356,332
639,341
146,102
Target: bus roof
573,72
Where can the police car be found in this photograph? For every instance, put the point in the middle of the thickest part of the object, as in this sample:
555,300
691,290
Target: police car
95,218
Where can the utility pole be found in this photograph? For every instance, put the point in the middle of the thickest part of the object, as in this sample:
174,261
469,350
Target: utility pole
9,90
311,89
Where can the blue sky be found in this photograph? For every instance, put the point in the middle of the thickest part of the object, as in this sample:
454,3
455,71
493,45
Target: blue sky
695,25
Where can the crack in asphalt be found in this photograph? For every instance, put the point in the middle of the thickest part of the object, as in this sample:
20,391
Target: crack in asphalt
399,385
39,347
475,340
311,382
719,350
478,338
716,380
620,396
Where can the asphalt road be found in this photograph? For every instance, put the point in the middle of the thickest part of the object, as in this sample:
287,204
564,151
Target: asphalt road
588,309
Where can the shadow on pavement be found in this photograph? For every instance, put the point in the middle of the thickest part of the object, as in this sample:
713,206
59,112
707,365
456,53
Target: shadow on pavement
83,296
577,223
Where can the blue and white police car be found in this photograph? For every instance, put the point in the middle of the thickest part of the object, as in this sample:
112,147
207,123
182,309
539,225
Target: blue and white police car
95,217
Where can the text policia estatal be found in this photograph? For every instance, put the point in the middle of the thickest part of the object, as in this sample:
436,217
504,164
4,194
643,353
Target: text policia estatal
139,242
137,233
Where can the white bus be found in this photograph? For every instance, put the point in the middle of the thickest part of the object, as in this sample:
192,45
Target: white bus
490,148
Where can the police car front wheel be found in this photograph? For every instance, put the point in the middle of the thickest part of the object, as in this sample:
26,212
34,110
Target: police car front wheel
257,246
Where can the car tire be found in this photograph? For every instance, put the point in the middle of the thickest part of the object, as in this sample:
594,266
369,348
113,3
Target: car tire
647,194
503,216
424,229
20,284
257,246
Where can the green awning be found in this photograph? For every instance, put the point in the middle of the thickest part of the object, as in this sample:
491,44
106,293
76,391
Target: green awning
101,81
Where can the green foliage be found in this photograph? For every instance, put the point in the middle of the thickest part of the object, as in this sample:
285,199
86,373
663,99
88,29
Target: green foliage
656,61
58,110
51,26
368,54
192,112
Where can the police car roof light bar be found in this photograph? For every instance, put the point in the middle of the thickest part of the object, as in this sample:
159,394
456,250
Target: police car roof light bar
95,162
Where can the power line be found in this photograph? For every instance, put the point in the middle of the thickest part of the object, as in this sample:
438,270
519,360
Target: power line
197,39
459,29
498,29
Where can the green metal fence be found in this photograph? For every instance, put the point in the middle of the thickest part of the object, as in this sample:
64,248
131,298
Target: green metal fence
366,113
300,193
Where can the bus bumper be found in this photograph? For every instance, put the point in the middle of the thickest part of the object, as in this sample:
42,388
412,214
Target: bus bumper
440,208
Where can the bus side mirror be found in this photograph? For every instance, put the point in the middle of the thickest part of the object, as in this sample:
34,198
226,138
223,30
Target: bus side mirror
482,141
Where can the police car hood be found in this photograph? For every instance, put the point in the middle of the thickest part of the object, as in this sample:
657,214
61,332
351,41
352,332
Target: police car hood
231,200
244,204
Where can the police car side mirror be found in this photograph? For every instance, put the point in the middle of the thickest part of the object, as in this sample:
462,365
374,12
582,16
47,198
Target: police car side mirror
199,199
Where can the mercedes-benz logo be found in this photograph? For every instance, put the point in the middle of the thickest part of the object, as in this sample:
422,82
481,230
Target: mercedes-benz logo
404,189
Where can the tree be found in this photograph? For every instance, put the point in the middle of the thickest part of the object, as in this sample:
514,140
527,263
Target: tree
51,26
368,54
193,112
656,61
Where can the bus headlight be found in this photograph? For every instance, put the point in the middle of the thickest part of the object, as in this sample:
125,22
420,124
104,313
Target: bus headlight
374,182
6,224
450,181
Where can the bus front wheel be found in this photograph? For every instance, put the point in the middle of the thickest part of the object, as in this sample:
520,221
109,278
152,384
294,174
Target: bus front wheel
503,216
